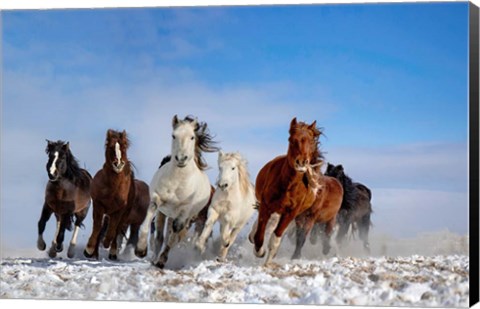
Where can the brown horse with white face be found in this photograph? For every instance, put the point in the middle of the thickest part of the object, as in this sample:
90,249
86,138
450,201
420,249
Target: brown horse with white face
67,195
282,185
114,195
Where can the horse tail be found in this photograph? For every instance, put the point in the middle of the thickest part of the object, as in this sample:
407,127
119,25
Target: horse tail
165,160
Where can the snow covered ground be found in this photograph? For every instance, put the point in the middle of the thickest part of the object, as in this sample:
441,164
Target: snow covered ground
418,272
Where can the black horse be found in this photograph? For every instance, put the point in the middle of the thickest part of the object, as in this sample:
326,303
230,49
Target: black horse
356,208
67,195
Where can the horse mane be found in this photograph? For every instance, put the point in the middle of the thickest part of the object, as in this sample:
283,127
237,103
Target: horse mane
204,142
243,174
349,190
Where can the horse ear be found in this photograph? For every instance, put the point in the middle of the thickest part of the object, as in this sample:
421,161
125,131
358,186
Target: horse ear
293,122
195,124
49,142
66,146
174,121
109,133
340,167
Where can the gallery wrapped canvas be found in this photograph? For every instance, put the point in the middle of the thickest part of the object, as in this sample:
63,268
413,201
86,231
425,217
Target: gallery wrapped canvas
256,153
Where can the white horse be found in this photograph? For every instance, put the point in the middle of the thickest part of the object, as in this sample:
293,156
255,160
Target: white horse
180,188
233,202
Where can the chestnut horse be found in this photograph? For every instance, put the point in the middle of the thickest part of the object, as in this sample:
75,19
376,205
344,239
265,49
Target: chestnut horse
67,195
282,185
329,194
114,195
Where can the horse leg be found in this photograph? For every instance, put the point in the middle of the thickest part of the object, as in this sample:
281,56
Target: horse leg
52,252
115,233
316,230
91,250
80,216
141,248
44,217
172,240
326,236
226,245
207,229
276,237
344,225
225,237
253,231
303,228
363,227
262,221
157,241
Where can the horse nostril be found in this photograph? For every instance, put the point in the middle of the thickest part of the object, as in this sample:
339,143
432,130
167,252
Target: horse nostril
297,162
176,158
305,162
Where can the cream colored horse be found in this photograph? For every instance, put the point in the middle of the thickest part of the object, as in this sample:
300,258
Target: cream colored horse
232,204
179,189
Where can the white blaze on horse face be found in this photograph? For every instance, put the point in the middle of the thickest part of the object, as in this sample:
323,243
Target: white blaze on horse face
118,153
53,167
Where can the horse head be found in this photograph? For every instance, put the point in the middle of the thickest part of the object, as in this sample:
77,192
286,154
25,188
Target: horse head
232,170
58,153
116,146
189,139
303,145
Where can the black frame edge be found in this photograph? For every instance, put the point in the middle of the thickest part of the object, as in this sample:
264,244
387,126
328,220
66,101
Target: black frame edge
474,153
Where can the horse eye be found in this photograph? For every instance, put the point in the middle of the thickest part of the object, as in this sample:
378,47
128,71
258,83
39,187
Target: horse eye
233,168
173,136
192,138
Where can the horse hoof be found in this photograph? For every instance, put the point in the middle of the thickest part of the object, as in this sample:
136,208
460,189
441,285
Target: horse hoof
112,257
71,251
41,245
52,253
260,253
140,253
59,248
88,255
159,264
296,256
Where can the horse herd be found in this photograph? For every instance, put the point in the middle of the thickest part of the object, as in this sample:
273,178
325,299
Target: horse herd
290,188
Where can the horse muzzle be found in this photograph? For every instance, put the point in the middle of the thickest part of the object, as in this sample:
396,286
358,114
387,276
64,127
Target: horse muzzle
118,168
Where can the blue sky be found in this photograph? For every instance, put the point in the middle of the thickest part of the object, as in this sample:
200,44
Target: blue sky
388,82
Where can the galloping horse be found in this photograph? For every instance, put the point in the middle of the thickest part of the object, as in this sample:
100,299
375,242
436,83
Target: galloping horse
233,202
67,194
180,189
115,195
329,194
282,185
356,206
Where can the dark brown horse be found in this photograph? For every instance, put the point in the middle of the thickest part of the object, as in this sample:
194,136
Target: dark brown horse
114,195
356,206
329,194
67,195
282,185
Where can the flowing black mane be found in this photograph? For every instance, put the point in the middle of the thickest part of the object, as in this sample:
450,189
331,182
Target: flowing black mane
204,142
349,190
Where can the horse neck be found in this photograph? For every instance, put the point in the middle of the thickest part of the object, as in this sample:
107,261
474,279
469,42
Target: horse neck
189,169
